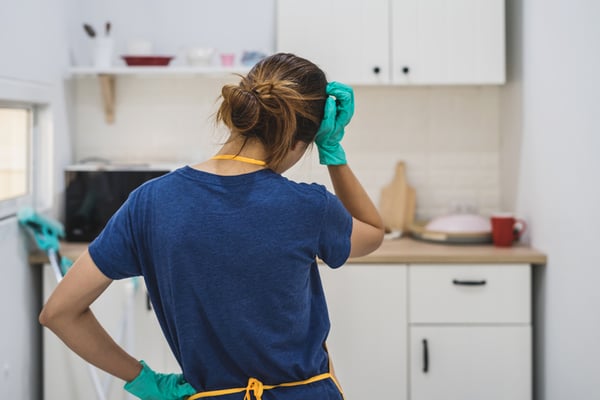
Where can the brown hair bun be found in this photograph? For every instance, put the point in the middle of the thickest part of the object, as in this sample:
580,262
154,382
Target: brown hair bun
279,102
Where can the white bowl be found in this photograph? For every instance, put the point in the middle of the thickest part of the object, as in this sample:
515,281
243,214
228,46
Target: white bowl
460,223
200,57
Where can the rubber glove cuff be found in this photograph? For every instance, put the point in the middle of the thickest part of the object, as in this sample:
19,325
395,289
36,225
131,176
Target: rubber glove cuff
149,385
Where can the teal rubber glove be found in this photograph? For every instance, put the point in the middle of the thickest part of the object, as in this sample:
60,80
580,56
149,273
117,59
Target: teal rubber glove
149,385
338,113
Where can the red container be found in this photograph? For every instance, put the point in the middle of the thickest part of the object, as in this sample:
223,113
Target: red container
506,229
147,61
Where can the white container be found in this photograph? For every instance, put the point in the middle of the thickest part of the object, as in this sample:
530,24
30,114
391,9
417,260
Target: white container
139,47
200,56
102,52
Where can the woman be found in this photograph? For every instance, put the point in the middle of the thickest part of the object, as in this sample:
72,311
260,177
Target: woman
228,250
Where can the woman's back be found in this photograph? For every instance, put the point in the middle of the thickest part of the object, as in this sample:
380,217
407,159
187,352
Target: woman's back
228,249
230,265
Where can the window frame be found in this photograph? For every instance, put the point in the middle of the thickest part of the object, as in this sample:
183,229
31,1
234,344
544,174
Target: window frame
35,96
9,206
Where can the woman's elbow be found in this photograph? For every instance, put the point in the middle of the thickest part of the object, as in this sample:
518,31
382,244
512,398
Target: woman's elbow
50,316
366,240
46,317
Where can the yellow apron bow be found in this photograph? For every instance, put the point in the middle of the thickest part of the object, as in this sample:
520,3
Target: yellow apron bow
256,387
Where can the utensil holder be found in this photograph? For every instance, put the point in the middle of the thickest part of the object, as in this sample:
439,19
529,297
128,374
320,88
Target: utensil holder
102,52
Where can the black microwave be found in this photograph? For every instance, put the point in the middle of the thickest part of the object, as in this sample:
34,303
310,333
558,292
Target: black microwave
93,193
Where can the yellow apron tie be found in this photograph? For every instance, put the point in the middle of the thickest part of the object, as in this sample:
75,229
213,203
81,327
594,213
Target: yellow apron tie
257,388
239,158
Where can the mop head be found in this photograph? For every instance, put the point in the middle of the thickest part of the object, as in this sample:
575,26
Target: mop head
45,231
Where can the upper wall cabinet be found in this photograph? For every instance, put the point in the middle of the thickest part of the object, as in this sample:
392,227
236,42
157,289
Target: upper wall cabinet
406,42
349,39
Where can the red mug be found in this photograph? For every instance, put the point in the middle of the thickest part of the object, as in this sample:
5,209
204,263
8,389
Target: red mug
506,229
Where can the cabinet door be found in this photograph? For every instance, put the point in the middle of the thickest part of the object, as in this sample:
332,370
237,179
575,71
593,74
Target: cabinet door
448,41
348,39
368,339
470,362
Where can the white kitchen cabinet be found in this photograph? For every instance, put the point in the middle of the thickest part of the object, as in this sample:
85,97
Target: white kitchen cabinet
368,339
458,362
470,332
348,39
431,331
406,42
448,41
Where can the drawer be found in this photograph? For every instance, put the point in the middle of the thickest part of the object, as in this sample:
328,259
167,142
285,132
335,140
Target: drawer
489,293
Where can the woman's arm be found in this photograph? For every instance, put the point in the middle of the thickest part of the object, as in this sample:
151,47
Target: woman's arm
367,227
67,313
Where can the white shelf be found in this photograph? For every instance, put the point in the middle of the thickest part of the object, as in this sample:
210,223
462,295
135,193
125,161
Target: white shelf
107,78
151,70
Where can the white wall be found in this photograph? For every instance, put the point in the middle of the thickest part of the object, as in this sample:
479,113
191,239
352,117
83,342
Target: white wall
557,185
174,26
448,136
32,53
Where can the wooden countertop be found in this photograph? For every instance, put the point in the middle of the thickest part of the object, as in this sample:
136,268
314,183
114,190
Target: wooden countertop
395,251
410,251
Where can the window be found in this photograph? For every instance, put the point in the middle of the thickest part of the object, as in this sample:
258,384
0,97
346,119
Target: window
15,157
26,145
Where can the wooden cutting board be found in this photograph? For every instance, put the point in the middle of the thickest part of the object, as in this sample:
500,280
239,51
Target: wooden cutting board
397,202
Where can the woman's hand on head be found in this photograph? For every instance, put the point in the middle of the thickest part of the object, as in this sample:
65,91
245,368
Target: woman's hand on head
339,109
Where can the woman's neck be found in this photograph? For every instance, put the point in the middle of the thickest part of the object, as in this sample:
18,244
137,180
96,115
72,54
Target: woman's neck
251,149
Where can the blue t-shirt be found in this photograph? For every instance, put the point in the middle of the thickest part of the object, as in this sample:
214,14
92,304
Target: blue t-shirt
230,267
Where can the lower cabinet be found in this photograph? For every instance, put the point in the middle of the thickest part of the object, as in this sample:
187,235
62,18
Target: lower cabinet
470,362
367,343
429,332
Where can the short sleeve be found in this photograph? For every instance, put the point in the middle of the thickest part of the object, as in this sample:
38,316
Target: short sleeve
336,229
114,250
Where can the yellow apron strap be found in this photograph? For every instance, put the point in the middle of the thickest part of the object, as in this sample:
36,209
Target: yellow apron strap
257,388
247,160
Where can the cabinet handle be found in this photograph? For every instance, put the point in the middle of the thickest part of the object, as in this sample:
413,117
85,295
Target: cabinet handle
376,70
425,356
405,70
469,283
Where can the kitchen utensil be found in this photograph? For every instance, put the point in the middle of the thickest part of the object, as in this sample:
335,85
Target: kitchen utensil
249,58
460,223
200,56
419,231
147,60
103,52
411,206
393,201
227,59
139,47
506,229
89,30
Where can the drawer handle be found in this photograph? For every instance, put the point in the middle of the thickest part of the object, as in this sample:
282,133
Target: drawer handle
469,283
425,356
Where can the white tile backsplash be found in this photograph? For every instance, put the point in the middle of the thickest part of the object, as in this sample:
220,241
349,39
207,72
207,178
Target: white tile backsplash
447,136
